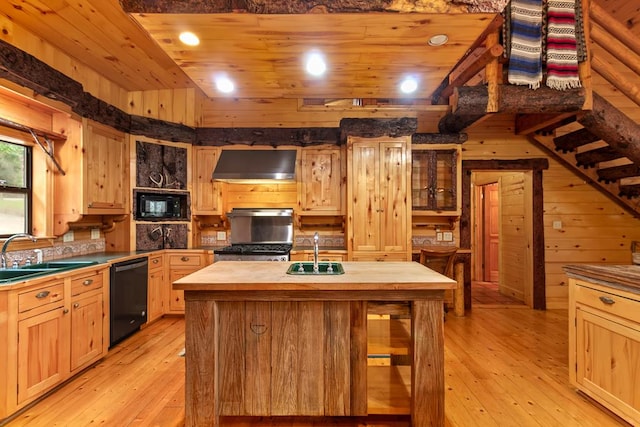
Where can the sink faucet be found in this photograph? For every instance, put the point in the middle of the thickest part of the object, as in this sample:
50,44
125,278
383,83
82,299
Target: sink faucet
3,256
315,252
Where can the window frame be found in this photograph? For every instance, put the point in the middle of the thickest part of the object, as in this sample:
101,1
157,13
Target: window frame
28,190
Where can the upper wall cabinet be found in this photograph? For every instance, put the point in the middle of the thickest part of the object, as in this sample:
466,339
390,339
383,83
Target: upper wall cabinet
436,174
320,182
207,195
161,166
95,159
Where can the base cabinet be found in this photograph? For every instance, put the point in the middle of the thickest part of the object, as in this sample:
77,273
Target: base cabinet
157,295
52,330
182,263
604,346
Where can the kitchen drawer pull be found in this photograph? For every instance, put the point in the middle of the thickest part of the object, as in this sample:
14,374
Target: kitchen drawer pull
155,261
87,282
184,258
42,294
607,300
76,304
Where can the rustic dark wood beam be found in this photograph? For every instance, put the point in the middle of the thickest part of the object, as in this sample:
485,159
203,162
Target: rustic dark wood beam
267,136
159,129
28,71
572,140
439,138
372,128
290,6
614,127
588,159
455,123
629,191
615,173
472,100
529,123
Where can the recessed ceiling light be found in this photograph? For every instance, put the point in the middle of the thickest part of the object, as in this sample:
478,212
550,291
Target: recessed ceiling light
315,65
438,40
224,84
189,38
408,85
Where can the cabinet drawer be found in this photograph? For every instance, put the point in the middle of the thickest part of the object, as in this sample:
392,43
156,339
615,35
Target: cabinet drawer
185,260
608,303
156,261
85,283
45,298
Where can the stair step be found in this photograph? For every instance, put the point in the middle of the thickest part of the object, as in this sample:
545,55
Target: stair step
590,158
613,174
629,191
570,141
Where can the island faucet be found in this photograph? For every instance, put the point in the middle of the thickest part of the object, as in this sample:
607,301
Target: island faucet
3,255
315,252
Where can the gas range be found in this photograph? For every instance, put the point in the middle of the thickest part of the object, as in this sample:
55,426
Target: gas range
258,234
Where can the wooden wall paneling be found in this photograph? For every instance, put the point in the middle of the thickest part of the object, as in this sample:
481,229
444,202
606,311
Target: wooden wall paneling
284,385
337,359
231,363
257,388
251,196
312,386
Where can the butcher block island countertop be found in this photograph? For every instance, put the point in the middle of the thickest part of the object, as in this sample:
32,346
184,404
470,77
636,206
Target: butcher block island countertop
264,343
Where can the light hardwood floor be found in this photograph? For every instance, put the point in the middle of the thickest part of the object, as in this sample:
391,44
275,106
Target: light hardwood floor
504,367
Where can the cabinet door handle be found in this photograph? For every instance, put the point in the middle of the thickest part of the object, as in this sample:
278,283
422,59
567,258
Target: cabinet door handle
65,311
155,261
42,294
87,282
184,258
76,304
607,300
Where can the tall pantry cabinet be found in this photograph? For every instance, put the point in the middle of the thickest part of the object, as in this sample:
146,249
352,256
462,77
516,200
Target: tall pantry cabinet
378,205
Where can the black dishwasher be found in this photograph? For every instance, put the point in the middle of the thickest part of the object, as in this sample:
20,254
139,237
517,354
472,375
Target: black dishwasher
128,298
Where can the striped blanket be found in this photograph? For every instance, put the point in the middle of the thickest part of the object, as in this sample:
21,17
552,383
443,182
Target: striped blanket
525,55
561,50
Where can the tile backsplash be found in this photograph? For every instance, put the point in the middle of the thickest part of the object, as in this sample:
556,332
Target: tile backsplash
59,250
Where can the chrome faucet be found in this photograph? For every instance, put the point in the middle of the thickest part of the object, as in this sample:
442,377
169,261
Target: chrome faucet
315,252
3,256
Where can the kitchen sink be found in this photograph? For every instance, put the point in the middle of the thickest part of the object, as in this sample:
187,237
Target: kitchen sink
324,268
58,265
8,275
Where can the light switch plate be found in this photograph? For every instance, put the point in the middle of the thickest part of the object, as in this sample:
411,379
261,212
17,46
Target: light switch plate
439,236
68,236
447,236
557,225
221,235
95,233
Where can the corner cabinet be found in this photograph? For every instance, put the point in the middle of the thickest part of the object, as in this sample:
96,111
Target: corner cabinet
206,195
321,189
95,160
436,176
378,208
604,346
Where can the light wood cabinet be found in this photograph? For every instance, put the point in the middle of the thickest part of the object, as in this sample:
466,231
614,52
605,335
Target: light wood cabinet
182,263
322,256
157,295
378,210
436,176
95,159
604,346
51,330
206,196
320,182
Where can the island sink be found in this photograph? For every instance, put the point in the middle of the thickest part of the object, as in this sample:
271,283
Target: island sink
323,268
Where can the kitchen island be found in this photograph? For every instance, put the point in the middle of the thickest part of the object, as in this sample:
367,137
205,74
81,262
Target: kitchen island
260,342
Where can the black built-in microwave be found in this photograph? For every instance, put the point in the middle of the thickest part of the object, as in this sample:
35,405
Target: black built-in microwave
161,206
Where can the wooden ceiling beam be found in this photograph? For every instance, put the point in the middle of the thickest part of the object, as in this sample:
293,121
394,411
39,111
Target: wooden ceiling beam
530,123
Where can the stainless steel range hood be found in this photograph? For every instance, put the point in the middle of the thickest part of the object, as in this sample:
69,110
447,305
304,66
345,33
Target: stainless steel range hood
251,166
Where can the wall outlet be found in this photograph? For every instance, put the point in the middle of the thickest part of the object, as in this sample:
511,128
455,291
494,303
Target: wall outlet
447,236
95,233
221,235
68,236
439,236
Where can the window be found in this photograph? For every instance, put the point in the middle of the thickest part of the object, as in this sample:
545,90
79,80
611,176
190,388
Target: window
15,188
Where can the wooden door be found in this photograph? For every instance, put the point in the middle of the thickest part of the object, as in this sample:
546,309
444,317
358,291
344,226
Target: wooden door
43,353
393,197
365,190
320,181
86,329
206,194
107,169
491,237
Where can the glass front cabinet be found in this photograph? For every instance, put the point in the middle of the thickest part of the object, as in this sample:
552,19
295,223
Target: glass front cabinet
436,174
